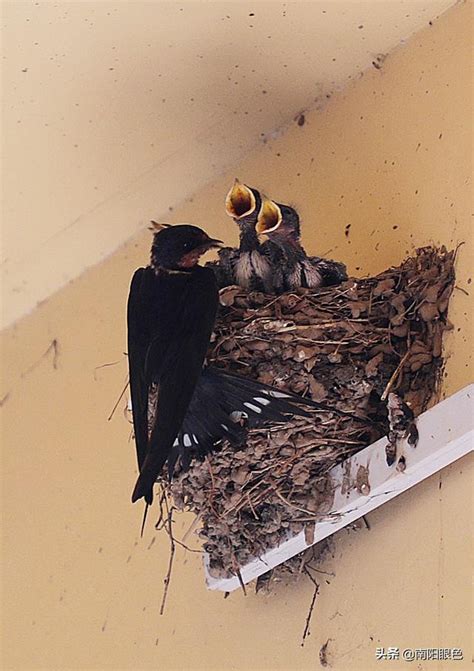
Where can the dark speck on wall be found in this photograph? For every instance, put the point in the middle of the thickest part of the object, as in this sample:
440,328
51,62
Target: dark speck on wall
395,227
251,14
25,70
347,230
360,27
301,120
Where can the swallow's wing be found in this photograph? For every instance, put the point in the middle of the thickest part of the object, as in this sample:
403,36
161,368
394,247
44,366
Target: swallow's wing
178,341
331,272
231,398
138,332
148,338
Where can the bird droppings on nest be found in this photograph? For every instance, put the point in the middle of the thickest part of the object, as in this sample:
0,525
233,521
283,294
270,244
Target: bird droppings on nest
349,347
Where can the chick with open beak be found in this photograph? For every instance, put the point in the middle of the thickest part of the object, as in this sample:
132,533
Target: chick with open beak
281,224
249,266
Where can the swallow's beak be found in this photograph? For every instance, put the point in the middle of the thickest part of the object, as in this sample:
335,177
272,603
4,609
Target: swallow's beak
211,243
214,242
240,201
269,217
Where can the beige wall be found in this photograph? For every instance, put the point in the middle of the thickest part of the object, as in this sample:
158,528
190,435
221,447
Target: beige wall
118,109
80,589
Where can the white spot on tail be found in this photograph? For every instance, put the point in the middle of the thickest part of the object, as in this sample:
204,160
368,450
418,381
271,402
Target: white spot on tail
187,440
275,394
226,428
253,407
263,401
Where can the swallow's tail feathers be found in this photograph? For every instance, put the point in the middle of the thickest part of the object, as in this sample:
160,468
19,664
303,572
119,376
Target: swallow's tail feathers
144,488
223,405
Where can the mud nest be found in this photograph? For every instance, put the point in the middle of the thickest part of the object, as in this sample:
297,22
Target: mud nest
345,346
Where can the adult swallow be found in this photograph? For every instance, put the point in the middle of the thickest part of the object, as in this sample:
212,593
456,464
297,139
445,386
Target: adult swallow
171,310
179,409
281,224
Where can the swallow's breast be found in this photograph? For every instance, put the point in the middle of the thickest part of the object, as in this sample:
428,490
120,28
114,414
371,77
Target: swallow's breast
249,265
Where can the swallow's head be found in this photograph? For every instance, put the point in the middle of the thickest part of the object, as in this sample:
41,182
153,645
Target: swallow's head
242,203
180,247
280,223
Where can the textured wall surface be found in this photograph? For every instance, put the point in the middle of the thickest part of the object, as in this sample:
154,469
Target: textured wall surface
117,109
390,155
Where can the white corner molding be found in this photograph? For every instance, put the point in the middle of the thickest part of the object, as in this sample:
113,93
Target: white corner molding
446,434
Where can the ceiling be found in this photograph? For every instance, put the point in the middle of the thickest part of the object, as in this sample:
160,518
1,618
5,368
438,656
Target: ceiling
118,111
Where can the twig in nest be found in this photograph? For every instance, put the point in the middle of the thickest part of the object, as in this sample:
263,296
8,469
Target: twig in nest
192,526
252,508
461,289
169,528
159,522
394,376
186,547
292,505
237,570
311,607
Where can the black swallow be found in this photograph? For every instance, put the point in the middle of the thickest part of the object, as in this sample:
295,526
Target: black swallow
172,306
181,410
293,267
248,266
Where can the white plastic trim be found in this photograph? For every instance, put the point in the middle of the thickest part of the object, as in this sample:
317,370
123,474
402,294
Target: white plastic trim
446,434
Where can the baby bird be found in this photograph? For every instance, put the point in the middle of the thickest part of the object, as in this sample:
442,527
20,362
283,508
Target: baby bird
249,266
293,267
